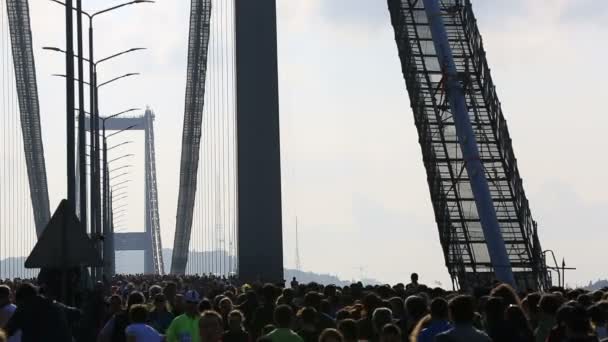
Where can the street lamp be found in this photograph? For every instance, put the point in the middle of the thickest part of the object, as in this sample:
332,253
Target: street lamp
119,168
94,101
56,49
119,175
121,206
120,183
122,130
120,198
104,83
119,194
121,157
118,145
116,188
99,212
120,213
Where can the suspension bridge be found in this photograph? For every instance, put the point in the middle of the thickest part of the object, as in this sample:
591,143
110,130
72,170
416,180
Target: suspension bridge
230,172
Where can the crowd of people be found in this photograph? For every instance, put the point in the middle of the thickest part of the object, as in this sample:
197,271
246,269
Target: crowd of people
142,308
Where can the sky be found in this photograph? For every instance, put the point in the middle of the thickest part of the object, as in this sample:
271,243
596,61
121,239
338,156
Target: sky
352,167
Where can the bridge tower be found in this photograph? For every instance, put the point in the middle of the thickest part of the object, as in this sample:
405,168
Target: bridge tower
255,97
148,241
449,82
259,159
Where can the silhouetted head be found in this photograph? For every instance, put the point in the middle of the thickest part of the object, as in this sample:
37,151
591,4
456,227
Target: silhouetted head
283,316
210,326
390,333
516,318
462,310
415,307
414,278
235,320
578,323
5,295
25,292
549,304
439,309
135,297
380,318
495,310
138,313
349,330
507,293
331,335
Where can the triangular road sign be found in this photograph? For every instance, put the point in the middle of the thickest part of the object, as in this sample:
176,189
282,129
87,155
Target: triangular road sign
64,243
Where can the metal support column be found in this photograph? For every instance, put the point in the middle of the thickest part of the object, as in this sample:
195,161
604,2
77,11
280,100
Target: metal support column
468,144
70,124
259,159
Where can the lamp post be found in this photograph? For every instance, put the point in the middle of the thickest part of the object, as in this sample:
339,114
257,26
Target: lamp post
93,98
117,185
69,66
119,207
118,145
122,167
108,231
559,278
70,104
118,194
97,213
118,188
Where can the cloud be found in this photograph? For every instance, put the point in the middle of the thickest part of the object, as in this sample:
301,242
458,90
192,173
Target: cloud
585,12
355,14
574,227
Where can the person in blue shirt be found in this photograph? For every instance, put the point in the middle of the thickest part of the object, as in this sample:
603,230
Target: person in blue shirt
439,321
160,318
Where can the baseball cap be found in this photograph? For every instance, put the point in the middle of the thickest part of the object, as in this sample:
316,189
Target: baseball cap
192,297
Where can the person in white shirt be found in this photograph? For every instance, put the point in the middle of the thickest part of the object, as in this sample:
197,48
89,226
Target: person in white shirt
7,309
138,330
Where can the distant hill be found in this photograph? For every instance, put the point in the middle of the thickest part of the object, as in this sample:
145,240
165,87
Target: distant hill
598,285
13,268
303,277
132,262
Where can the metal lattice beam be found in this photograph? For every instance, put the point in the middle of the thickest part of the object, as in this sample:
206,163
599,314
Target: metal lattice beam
200,16
460,230
27,90
152,216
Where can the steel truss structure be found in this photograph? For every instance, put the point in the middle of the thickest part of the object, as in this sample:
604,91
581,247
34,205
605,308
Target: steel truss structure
148,241
200,17
27,90
152,217
461,235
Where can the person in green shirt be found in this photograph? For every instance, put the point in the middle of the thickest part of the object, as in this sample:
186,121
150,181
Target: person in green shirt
184,328
283,318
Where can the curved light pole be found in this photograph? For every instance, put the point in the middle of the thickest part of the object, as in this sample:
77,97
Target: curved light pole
557,268
117,185
99,214
120,198
120,168
94,128
119,175
118,194
118,145
95,223
117,188
120,207
121,157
